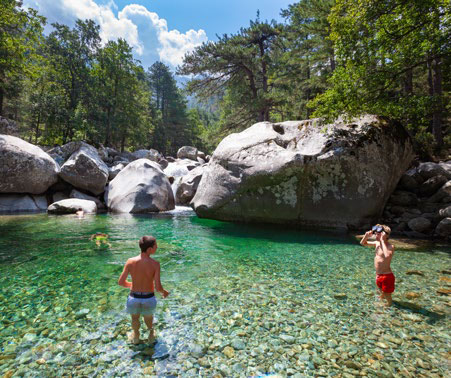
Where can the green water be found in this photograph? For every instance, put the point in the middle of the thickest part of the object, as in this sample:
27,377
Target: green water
245,301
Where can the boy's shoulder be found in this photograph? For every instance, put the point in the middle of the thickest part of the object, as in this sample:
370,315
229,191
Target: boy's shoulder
154,261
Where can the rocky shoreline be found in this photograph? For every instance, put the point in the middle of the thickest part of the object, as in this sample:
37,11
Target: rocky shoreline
77,175
301,173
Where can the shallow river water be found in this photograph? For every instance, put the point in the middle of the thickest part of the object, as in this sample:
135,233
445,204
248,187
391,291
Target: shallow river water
245,301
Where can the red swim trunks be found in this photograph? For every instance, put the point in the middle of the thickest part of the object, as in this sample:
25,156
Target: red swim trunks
386,282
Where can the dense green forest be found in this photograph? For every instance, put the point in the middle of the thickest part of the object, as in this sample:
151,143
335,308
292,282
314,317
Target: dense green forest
329,58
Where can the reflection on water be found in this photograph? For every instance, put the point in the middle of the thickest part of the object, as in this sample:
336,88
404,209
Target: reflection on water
245,300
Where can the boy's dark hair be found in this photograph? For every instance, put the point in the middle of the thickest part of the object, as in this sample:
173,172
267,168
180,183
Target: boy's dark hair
146,242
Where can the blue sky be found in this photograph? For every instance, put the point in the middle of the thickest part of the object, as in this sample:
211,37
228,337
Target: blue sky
161,29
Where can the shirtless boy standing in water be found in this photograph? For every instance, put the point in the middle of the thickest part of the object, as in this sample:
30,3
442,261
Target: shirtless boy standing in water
145,271
385,279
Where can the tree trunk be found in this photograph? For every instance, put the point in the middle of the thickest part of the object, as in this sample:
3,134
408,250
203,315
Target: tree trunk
430,83
108,129
437,96
38,121
332,63
1,101
123,142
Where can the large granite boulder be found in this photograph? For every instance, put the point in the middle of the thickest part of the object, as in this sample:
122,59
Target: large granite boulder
141,187
25,168
443,194
71,206
187,186
305,173
430,169
443,229
419,224
187,152
85,170
431,185
16,203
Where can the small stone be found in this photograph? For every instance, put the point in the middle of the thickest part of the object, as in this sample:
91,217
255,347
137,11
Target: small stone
204,362
82,313
304,357
29,337
148,370
238,344
196,350
340,296
41,361
353,365
415,272
382,345
332,343
412,295
238,368
229,352
288,339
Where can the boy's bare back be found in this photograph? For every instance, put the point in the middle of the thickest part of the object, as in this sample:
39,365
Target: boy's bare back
143,272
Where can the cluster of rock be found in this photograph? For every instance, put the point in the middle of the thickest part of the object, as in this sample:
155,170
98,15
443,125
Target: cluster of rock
77,175
302,173
421,203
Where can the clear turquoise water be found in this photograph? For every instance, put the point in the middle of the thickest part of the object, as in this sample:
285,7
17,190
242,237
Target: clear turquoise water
245,301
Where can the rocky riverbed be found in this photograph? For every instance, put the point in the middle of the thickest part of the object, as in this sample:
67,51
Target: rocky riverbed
245,301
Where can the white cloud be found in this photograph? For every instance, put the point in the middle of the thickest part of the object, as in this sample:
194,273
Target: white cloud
144,30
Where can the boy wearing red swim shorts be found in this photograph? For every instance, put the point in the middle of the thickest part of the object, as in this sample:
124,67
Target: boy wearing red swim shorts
385,279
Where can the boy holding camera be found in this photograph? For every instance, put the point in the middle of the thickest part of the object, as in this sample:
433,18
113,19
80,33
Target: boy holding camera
385,279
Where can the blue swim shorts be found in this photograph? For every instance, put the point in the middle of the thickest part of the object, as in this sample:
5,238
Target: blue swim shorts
143,306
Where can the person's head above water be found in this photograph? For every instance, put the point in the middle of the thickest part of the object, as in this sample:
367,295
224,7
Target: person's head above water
147,242
379,228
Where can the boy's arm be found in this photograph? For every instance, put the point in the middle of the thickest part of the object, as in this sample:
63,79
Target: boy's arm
365,238
157,281
123,278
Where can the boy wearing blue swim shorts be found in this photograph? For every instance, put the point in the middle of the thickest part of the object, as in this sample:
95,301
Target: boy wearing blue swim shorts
145,273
